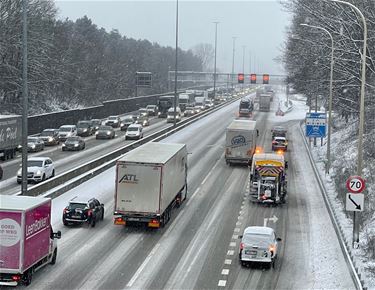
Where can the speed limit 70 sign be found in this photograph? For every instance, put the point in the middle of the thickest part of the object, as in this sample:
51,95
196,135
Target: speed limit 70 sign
355,184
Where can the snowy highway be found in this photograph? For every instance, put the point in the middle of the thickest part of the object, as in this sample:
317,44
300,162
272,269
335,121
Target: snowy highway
198,248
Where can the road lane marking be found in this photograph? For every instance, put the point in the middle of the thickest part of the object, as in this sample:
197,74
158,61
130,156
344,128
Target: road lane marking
235,237
237,230
225,272
227,261
232,244
144,264
222,283
230,253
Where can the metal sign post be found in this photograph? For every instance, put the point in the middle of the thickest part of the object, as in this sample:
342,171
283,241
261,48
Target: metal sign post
143,80
355,202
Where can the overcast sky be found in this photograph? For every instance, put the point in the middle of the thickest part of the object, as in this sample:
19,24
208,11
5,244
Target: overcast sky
259,25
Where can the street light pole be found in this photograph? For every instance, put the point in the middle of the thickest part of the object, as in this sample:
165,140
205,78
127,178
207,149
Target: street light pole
24,98
216,23
175,68
361,111
330,95
234,45
243,64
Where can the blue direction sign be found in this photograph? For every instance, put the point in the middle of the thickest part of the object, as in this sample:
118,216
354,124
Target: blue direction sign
316,125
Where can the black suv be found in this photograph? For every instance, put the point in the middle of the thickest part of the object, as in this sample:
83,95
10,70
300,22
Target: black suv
79,212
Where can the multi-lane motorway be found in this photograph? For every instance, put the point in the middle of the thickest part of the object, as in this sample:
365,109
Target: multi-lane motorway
198,249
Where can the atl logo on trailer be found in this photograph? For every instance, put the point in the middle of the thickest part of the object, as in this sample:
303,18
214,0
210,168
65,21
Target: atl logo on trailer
129,178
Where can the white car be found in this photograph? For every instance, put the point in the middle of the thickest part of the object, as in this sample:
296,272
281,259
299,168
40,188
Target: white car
171,115
134,131
38,169
258,245
67,131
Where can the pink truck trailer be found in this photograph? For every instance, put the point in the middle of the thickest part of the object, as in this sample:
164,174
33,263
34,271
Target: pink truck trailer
27,241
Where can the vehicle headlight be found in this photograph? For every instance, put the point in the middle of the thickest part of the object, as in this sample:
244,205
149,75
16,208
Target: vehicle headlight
63,145
121,124
108,132
33,146
159,113
76,145
96,133
39,172
84,130
19,172
144,123
115,121
50,139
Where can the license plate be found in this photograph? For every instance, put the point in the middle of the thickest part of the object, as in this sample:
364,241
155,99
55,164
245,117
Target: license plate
251,253
133,219
76,216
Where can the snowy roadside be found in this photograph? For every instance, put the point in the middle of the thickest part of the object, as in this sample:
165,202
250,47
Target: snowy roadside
360,257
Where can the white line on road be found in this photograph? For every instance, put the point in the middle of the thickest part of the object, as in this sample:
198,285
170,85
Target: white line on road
222,283
230,253
225,272
140,269
227,261
232,244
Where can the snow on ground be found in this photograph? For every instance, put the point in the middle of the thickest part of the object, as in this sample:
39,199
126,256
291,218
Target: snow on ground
361,259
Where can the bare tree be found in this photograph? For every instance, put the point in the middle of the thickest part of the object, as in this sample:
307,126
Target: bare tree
205,52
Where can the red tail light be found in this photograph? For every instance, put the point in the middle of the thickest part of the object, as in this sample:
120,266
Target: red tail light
89,212
274,142
65,210
16,278
242,246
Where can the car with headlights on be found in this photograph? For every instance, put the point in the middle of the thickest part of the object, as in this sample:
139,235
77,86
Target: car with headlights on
126,122
258,245
50,137
96,123
105,132
134,131
171,115
197,109
75,143
189,111
83,211
143,120
84,128
38,169
143,112
34,144
113,121
152,110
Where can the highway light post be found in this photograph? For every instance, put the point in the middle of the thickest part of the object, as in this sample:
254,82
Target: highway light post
328,165
234,50
216,23
243,63
24,98
361,111
175,68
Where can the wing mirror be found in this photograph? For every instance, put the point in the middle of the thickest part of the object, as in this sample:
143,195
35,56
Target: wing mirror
286,164
240,237
279,239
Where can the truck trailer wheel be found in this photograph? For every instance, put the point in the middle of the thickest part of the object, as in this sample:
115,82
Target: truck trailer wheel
54,257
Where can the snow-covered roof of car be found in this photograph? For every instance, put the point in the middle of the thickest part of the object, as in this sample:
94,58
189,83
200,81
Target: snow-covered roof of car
258,230
38,158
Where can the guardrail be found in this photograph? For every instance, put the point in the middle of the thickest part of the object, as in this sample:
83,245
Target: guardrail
344,245
61,183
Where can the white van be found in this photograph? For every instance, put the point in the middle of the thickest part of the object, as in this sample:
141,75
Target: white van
134,131
170,115
66,131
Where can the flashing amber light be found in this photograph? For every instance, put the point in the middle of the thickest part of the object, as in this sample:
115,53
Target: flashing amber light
281,152
253,78
266,78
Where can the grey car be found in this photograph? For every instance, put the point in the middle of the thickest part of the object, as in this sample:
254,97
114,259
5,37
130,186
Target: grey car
126,122
113,121
34,144
105,132
75,143
85,128
96,123
50,137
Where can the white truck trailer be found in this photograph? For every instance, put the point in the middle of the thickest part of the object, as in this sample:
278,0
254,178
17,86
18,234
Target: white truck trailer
27,241
265,102
150,181
241,137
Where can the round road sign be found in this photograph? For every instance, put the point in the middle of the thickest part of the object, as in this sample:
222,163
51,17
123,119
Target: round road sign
355,184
